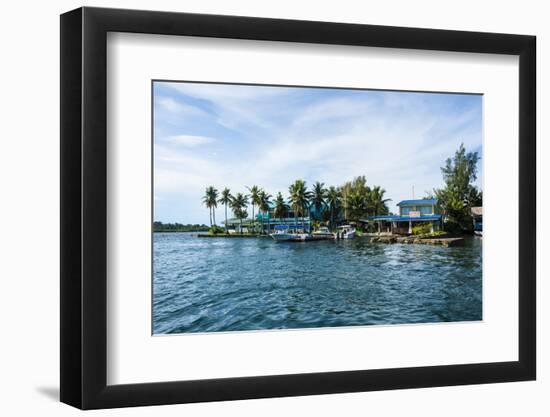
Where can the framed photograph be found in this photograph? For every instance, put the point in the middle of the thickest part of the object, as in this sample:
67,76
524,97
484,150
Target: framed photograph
259,208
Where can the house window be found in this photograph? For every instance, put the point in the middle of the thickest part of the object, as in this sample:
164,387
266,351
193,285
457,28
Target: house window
405,211
426,210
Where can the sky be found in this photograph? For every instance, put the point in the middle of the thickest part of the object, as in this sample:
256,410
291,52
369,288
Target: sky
237,136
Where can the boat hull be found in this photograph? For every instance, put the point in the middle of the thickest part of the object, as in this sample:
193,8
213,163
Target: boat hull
349,235
282,237
322,236
291,237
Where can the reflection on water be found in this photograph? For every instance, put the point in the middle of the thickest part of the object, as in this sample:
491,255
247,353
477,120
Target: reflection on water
220,284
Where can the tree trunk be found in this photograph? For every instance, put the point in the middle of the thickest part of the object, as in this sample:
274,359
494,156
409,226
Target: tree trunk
262,226
225,218
253,220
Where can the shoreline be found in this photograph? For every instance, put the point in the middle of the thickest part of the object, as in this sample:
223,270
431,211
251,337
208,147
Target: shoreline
180,231
231,236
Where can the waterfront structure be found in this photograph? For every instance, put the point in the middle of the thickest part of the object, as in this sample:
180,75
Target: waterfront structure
477,216
411,212
267,223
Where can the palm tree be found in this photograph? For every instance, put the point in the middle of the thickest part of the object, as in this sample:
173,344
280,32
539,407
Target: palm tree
345,190
356,204
238,205
214,203
281,208
318,196
378,201
361,191
210,200
265,201
299,198
333,199
225,199
255,200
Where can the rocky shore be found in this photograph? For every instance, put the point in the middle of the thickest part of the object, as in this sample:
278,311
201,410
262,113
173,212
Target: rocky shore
443,240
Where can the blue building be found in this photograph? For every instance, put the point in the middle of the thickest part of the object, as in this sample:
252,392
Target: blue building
267,222
411,212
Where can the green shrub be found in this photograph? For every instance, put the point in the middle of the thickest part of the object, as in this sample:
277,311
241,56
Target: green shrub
216,230
422,229
452,227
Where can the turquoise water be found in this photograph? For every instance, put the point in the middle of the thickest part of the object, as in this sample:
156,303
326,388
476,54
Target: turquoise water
220,284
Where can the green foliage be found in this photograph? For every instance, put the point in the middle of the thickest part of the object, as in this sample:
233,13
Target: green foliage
238,205
355,200
225,199
255,200
216,230
459,194
360,201
334,201
263,206
210,200
452,226
178,227
299,197
318,197
422,228
281,208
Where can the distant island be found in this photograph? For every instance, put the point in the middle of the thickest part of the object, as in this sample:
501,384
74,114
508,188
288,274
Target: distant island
177,227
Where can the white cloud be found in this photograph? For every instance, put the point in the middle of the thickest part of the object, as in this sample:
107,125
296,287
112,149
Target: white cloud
395,143
190,141
238,105
173,106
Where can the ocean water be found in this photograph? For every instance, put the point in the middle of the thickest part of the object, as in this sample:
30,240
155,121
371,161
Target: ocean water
221,284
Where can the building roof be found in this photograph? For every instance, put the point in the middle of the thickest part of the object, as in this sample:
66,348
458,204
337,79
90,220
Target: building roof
477,211
423,202
431,217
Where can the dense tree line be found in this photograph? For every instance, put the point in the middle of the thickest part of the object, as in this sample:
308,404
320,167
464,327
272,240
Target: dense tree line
459,194
352,201
177,227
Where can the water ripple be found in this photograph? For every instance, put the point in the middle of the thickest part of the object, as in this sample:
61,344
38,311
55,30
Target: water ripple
210,285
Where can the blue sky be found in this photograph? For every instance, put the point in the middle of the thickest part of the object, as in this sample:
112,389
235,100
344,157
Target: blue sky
238,135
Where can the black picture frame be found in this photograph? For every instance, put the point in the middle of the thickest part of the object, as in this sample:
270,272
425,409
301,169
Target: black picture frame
84,207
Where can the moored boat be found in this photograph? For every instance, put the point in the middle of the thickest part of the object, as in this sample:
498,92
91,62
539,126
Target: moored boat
284,233
282,236
322,233
345,231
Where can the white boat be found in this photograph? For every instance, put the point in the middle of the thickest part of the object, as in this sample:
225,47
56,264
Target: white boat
285,233
322,233
345,231
282,236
